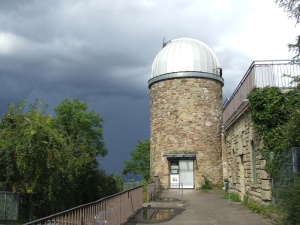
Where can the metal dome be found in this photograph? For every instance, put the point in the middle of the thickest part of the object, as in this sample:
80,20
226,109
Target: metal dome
185,57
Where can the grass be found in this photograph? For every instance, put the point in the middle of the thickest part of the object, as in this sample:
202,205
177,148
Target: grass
269,211
261,209
207,186
235,197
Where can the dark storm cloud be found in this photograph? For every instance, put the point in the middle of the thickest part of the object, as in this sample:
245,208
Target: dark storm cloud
101,52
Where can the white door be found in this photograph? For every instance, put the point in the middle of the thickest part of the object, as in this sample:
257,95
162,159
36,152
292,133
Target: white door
186,173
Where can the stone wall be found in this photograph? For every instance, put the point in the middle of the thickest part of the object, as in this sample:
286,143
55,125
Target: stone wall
243,164
186,118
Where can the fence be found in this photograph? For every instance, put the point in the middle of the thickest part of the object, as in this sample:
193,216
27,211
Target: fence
290,168
112,210
9,205
260,74
158,192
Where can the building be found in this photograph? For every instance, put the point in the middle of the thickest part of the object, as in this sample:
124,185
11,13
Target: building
244,165
186,110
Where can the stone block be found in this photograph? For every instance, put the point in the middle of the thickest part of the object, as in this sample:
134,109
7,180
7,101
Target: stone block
263,163
258,176
264,174
254,193
265,185
266,195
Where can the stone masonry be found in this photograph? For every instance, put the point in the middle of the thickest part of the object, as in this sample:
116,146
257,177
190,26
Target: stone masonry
186,118
243,164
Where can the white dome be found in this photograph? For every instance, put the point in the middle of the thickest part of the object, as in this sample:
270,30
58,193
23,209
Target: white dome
185,55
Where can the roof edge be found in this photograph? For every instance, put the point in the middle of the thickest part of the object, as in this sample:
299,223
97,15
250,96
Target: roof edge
188,74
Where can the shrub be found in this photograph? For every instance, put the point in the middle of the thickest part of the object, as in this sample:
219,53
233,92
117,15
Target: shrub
289,200
207,185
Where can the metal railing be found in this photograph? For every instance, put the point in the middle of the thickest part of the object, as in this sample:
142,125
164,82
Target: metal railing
276,73
114,209
158,192
151,188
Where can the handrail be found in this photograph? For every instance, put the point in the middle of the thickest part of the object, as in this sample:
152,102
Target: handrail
115,208
262,73
167,192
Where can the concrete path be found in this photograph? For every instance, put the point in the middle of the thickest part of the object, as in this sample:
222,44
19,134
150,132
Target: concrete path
211,209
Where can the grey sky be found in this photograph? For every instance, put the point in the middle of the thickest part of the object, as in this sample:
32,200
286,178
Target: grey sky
102,51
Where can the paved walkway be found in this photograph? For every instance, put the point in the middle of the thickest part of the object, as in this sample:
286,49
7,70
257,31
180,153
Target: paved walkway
211,209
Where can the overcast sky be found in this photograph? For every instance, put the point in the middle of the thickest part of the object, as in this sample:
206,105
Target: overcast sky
101,52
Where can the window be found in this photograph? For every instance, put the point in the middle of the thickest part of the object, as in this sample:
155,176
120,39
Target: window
233,168
254,177
174,167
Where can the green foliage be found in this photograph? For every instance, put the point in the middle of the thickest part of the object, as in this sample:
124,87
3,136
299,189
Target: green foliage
140,160
207,185
292,127
256,207
106,185
82,129
52,162
267,108
119,182
233,196
31,157
82,132
275,116
288,199
259,208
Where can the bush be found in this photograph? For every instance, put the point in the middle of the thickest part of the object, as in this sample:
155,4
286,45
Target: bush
289,201
207,185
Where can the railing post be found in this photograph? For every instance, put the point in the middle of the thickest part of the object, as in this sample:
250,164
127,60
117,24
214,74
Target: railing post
182,192
81,216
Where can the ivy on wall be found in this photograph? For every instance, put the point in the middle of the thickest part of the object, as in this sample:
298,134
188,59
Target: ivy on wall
276,117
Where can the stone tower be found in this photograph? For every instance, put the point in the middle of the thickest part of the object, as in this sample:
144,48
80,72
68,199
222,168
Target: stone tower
185,114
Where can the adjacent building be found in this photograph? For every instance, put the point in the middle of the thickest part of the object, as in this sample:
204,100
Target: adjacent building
244,165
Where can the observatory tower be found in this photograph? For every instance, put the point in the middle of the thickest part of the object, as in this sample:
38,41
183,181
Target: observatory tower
185,110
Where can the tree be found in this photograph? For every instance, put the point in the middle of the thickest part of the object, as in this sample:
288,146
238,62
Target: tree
82,129
108,184
52,162
31,158
140,160
119,182
292,7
